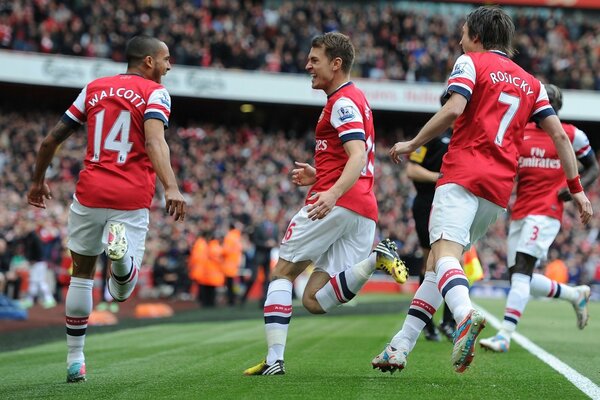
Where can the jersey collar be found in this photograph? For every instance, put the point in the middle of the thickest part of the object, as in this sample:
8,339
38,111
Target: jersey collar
341,86
501,53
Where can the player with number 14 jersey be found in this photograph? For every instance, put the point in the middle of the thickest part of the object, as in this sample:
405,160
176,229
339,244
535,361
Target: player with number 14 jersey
116,163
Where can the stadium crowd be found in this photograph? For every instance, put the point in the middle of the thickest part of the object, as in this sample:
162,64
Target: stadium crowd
237,175
401,40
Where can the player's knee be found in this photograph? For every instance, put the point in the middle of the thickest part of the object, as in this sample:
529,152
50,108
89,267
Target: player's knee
311,304
524,264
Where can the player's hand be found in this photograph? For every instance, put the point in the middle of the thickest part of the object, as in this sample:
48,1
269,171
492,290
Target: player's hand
584,206
304,175
322,206
38,194
401,148
175,204
564,195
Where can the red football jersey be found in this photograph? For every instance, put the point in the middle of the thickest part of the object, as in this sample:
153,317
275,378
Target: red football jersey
346,116
117,171
540,175
502,97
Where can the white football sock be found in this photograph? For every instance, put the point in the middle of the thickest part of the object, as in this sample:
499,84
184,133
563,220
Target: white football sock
278,313
344,286
516,301
542,286
426,301
78,307
454,287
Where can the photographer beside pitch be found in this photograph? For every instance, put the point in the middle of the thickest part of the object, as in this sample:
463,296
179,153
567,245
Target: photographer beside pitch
126,117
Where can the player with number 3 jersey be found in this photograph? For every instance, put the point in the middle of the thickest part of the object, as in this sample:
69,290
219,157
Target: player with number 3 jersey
126,117
490,99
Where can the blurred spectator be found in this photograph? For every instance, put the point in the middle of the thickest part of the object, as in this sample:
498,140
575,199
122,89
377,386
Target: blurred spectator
232,254
10,282
106,300
238,173
169,272
265,236
402,40
206,262
29,244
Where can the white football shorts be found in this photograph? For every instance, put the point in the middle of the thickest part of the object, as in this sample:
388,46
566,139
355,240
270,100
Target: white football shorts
460,216
531,235
88,229
341,239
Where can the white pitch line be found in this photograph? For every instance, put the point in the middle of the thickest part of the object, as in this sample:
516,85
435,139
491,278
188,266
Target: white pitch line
581,382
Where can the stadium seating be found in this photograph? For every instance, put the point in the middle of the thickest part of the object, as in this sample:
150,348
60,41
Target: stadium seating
235,173
411,41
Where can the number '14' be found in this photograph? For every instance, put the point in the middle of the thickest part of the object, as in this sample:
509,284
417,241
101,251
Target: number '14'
117,138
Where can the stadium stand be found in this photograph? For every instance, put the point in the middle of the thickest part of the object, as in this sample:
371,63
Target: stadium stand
237,173
237,169
402,40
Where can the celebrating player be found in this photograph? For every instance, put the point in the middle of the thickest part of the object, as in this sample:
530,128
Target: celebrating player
423,169
490,101
336,228
126,118
535,222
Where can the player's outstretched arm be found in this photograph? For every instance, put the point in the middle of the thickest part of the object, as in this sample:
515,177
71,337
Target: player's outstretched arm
160,156
568,161
39,191
441,121
304,174
590,173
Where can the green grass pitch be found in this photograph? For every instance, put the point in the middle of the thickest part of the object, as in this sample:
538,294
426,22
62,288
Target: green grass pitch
327,357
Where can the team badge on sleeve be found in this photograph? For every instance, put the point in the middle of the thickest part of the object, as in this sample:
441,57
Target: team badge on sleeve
165,99
346,113
459,69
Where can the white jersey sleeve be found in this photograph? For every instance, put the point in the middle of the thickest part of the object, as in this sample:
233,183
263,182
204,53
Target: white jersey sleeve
76,111
159,106
347,119
463,77
581,144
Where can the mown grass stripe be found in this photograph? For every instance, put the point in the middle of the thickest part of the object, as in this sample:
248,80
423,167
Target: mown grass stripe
581,382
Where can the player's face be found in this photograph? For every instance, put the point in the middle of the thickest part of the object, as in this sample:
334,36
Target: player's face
320,68
162,63
466,42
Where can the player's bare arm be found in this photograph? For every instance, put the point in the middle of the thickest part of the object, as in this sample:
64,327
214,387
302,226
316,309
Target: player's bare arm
160,156
304,174
40,191
590,173
357,159
441,121
418,173
568,161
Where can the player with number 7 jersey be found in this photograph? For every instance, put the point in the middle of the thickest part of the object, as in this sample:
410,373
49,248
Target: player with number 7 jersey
502,97
490,99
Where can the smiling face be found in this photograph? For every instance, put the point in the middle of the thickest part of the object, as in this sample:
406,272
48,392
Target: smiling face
160,63
320,68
